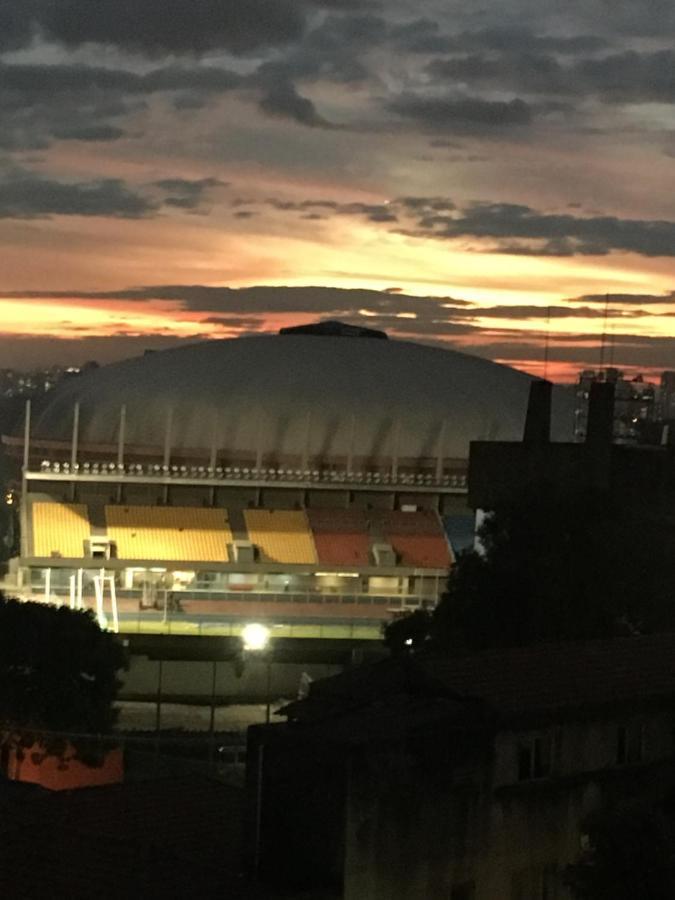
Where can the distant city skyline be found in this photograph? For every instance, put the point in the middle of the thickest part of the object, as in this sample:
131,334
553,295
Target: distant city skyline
474,176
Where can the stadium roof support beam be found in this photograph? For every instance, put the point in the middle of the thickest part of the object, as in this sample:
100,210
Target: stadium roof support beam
308,439
73,444
121,437
167,447
352,439
259,443
396,441
440,452
26,436
213,455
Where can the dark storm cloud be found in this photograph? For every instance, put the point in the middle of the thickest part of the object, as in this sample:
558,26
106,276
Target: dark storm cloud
16,27
441,114
508,228
643,299
626,77
283,100
259,300
159,27
24,195
27,195
427,319
555,312
185,194
519,229
374,212
238,322
517,38
426,36
42,103
643,18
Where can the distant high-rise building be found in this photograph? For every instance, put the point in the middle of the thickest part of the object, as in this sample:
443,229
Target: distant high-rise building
634,403
667,396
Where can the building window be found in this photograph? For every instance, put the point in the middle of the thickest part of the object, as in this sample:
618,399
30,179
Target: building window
534,758
629,744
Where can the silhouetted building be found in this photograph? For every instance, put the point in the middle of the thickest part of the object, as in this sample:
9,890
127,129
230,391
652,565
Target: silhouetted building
640,479
469,778
667,396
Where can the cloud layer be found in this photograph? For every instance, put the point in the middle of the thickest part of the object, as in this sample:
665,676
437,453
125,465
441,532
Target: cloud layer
514,154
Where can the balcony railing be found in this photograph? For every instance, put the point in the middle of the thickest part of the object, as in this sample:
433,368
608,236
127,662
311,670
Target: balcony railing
121,471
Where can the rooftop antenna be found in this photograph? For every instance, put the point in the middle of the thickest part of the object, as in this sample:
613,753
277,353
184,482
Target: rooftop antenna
612,344
603,339
546,342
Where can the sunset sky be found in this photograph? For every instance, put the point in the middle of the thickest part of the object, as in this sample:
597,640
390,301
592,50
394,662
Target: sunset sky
477,174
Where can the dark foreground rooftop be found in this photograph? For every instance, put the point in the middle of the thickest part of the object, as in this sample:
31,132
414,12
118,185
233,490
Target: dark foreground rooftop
547,679
173,838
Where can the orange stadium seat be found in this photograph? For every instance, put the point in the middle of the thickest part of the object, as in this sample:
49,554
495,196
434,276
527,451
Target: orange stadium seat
417,537
60,529
281,535
340,536
169,532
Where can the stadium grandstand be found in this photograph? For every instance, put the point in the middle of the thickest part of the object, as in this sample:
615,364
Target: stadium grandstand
313,480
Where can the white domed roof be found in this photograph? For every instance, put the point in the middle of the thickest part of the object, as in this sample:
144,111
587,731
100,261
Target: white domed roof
275,391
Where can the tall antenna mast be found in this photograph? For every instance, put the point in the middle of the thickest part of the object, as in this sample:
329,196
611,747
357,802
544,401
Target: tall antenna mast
612,343
603,339
546,342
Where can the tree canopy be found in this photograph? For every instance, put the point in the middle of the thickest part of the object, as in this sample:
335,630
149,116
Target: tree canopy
551,568
629,855
58,670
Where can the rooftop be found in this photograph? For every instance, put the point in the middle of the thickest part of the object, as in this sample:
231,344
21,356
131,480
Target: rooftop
547,680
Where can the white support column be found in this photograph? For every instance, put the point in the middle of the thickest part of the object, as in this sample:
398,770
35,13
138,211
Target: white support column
99,587
71,591
48,585
113,604
78,595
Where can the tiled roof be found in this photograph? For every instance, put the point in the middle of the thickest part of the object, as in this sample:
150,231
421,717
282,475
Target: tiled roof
538,680
565,675
172,838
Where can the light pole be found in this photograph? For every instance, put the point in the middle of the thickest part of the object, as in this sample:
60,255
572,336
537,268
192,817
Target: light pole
256,639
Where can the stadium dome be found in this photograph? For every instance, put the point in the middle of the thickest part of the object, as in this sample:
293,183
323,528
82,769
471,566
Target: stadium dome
317,395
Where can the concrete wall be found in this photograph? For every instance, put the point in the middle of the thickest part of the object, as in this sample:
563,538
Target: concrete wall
413,833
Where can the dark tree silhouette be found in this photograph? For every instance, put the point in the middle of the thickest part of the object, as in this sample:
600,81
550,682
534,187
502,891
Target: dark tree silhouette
630,855
58,673
553,568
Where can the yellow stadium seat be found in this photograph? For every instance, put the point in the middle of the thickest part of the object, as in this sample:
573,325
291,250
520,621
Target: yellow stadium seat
169,532
60,529
281,535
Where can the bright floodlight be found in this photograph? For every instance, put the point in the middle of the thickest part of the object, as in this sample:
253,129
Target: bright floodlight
255,636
